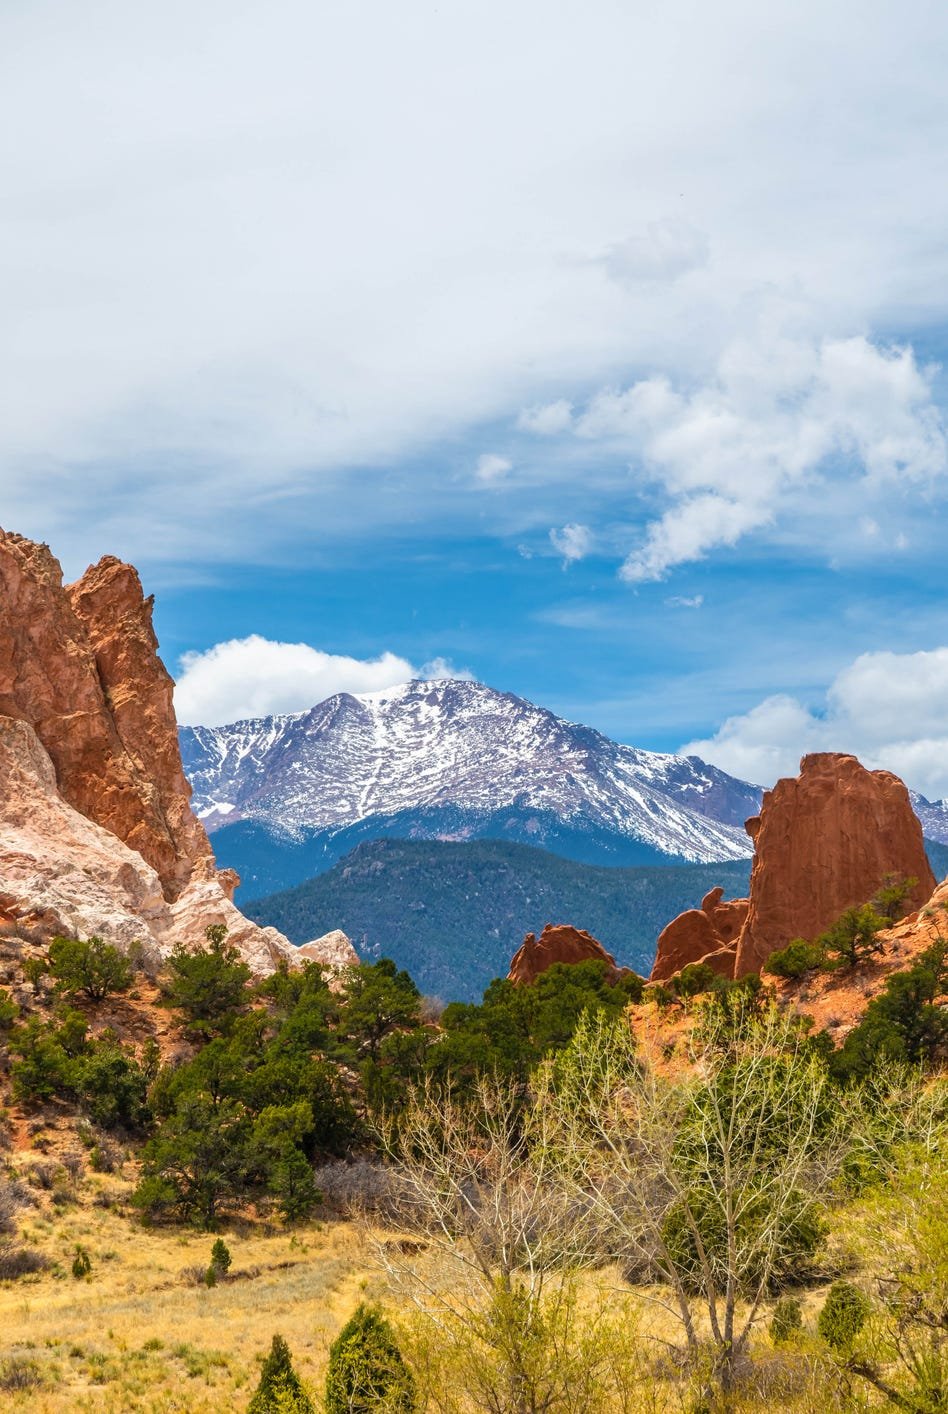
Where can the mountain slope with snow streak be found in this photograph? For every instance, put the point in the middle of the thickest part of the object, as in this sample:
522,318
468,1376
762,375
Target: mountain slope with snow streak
451,755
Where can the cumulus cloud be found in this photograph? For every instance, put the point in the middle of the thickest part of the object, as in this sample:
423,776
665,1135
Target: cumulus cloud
491,467
685,601
776,416
662,252
573,542
889,709
255,676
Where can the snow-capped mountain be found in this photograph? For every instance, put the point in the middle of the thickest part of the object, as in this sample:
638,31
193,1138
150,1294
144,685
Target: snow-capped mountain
934,817
456,759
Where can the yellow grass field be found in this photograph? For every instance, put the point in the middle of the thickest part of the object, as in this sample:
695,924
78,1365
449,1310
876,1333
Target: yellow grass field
137,1334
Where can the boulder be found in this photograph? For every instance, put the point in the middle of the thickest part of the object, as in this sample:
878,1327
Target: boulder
824,841
706,934
558,943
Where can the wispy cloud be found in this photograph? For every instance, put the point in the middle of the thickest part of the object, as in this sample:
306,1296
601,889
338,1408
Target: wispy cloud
492,467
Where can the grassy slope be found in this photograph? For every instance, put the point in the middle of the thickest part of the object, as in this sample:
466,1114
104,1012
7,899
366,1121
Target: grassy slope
454,914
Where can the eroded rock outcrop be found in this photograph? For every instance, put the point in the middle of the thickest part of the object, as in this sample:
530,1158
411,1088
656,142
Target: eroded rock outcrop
558,943
81,666
97,834
61,873
823,841
706,934
332,950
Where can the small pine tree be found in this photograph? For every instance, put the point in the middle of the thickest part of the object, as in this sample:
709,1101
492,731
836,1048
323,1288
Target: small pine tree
280,1390
220,1257
845,1312
366,1370
787,1320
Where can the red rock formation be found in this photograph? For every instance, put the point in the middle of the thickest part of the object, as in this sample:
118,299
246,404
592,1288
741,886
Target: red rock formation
80,665
97,834
706,934
558,943
823,842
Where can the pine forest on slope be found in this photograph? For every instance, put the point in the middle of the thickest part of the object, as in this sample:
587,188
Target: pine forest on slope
453,914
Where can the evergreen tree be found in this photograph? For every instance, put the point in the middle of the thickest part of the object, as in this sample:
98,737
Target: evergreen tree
366,1371
280,1390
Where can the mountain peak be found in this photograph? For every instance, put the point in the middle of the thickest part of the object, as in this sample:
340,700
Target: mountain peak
456,749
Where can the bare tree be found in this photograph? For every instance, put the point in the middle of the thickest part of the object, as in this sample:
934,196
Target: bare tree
495,1219
703,1174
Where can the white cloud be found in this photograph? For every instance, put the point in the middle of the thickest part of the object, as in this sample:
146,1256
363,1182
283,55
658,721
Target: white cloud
546,419
683,601
779,413
687,533
254,677
573,542
222,318
437,668
889,709
491,467
662,252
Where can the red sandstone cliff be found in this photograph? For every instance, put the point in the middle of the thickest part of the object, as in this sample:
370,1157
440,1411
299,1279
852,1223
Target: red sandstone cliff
824,841
706,934
97,834
81,666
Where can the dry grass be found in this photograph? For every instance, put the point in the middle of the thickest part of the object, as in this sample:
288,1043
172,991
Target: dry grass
137,1334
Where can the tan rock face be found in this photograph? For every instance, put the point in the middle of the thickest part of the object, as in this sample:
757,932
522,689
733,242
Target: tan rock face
80,665
706,934
61,873
558,943
97,834
823,842
331,950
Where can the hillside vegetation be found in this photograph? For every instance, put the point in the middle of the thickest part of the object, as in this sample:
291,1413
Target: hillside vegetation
304,1195
453,914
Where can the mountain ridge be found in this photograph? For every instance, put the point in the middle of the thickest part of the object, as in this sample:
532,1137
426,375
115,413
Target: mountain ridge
457,754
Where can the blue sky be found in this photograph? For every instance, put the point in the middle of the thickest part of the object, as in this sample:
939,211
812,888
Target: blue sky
594,350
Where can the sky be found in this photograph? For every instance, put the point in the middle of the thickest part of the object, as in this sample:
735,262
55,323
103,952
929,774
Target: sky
594,350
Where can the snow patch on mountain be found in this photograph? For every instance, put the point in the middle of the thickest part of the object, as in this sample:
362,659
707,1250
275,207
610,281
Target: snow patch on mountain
462,746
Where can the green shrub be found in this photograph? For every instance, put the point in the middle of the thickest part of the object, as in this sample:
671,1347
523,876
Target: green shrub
81,1262
795,959
845,1312
220,1257
9,1011
905,1023
209,987
91,967
35,968
694,978
366,1370
853,937
892,897
787,1320
280,1390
